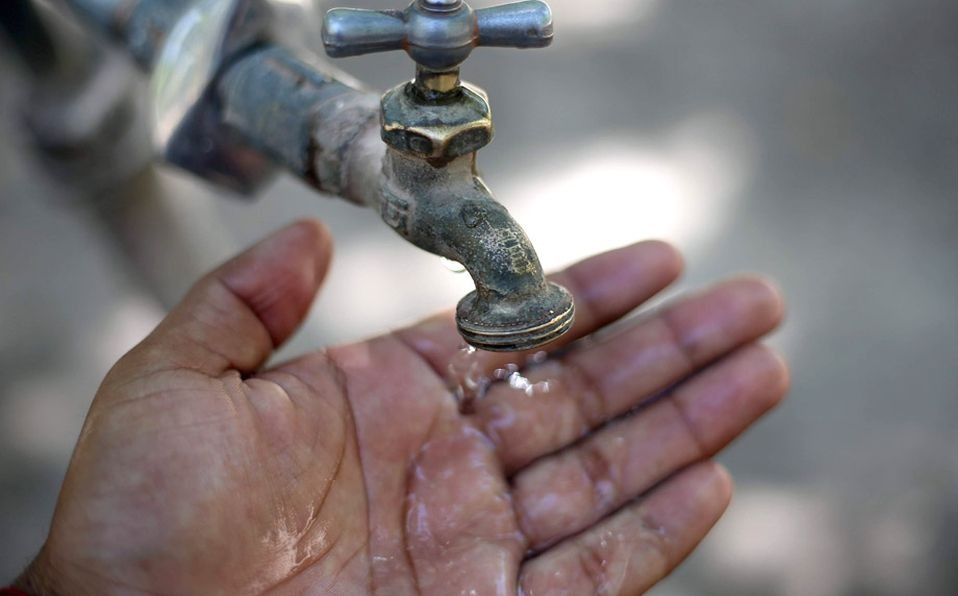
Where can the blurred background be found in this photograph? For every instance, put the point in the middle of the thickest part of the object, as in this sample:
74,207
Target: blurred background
815,141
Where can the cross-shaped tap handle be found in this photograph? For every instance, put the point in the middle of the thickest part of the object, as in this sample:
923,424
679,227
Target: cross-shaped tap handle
438,34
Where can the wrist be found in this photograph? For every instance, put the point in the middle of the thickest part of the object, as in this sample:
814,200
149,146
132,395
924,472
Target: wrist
36,580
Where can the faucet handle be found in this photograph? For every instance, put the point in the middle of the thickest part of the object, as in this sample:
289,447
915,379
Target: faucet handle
356,31
525,24
438,34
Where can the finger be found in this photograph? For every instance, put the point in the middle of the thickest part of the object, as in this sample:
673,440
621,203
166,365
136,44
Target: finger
605,287
587,387
635,548
237,315
562,494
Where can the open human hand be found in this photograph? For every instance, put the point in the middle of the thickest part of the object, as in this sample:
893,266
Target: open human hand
351,470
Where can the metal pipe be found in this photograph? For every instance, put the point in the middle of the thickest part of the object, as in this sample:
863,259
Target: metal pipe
319,128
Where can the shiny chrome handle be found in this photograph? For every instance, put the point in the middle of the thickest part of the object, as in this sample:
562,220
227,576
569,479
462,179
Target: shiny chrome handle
438,34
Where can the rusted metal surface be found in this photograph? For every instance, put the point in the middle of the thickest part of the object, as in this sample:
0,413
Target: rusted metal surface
449,211
302,118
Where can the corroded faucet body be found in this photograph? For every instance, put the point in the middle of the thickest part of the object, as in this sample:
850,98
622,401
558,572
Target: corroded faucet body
431,192
449,211
230,105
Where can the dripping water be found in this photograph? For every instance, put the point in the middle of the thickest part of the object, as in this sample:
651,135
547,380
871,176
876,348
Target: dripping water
454,266
470,383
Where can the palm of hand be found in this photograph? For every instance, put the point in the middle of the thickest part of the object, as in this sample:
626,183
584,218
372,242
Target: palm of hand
352,470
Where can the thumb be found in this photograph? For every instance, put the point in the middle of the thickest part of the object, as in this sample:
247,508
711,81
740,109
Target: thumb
237,315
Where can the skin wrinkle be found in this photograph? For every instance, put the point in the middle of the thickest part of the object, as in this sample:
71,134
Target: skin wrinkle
303,533
521,537
661,543
158,374
161,355
342,382
248,307
686,354
341,453
301,567
113,581
651,539
403,530
316,390
292,378
166,396
185,429
399,335
116,410
203,340
362,546
233,388
396,338
188,363
266,380
245,467
586,385
702,449
265,299
598,469
592,564
214,312
275,497
250,473
410,344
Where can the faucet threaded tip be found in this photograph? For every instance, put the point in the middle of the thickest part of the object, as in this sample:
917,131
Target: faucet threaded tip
506,325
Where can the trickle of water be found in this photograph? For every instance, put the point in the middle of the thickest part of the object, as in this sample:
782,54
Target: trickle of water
470,383
465,377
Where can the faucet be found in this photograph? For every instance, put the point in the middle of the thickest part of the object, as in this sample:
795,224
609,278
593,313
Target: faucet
433,127
230,105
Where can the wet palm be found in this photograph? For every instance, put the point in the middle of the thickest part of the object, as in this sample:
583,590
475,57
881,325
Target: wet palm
352,470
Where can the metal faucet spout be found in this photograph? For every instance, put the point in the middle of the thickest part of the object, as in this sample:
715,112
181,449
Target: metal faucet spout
450,212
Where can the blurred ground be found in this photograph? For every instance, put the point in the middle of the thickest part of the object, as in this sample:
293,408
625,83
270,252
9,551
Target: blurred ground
816,141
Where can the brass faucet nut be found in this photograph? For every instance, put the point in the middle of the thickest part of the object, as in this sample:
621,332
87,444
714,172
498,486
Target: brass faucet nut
436,131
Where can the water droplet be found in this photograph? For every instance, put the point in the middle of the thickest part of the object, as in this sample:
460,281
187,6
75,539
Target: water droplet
539,357
454,266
